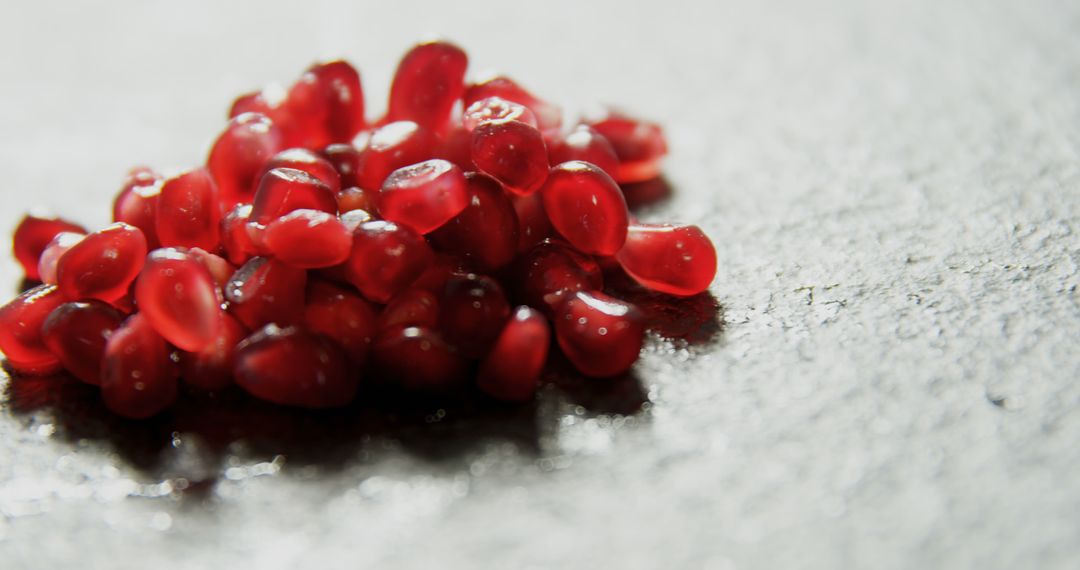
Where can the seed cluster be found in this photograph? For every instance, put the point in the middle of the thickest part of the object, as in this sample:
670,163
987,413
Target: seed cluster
426,251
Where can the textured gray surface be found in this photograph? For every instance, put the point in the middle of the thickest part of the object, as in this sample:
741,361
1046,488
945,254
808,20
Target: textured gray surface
894,193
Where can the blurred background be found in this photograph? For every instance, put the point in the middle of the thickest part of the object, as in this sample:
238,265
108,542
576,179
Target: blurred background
893,191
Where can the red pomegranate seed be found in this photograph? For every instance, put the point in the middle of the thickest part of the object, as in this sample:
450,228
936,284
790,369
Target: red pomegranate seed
429,80
548,116
267,291
326,105
103,264
270,101
293,367
136,204
188,214
438,272
76,333
220,269
345,158
53,252
511,152
387,149
33,235
639,145
549,273
20,330
417,359
237,158
308,161
353,218
177,295
456,146
586,206
235,239
511,370
309,239
601,335
342,316
413,307
473,309
585,144
386,258
486,231
675,259
138,378
356,198
211,368
533,223
283,190
496,109
424,196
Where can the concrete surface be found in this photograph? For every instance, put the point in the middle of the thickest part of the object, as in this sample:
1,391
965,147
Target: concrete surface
893,189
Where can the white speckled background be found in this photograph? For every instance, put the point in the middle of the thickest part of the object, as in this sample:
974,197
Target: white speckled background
894,189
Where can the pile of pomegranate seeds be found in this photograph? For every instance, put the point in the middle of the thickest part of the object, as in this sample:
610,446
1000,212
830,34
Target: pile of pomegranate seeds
429,251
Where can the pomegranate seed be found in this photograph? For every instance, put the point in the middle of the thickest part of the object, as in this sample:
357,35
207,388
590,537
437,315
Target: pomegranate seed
438,272
309,239
342,316
424,196
387,149
211,367
220,269
385,259
675,259
345,158
639,145
267,291
417,359
473,309
309,162
33,235
188,214
235,239
237,158
413,307
103,264
601,335
294,367
586,206
549,273
177,295
429,80
283,190
76,333
270,101
486,231
548,116
20,330
356,198
136,204
456,146
53,252
353,218
511,370
326,105
586,145
496,109
533,223
511,152
138,378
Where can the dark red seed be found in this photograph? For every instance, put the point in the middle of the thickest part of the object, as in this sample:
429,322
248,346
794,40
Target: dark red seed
211,368
138,377
188,213
585,205
511,152
601,335
103,264
456,146
177,295
585,144
294,367
473,310
356,198
136,204
326,105
309,239
496,109
417,359
308,161
53,252
237,158
511,371
220,269
533,223
387,149
342,316
235,239
548,116
640,146
413,307
429,80
675,259
267,291
549,273
76,333
486,231
20,330
269,102
345,159
438,272
33,235
386,258
283,190
424,196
